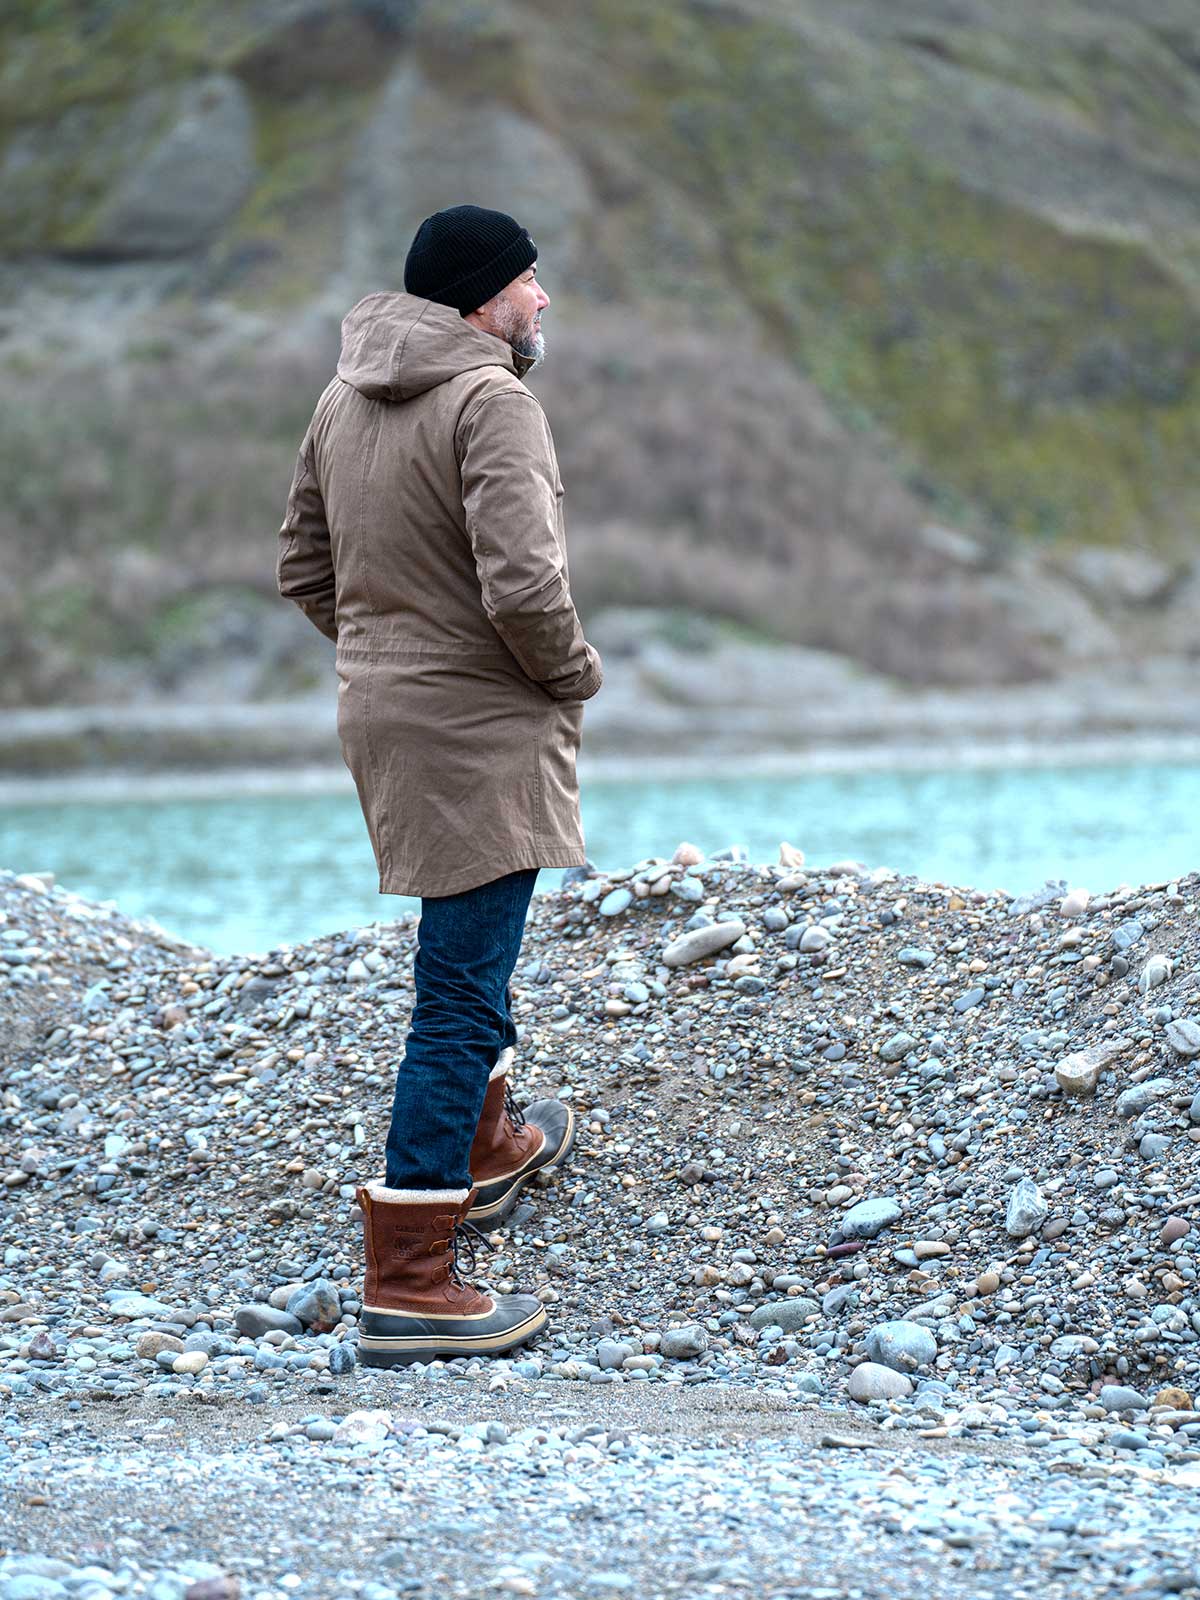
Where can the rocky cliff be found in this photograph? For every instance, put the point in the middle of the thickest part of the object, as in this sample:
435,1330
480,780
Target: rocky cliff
890,312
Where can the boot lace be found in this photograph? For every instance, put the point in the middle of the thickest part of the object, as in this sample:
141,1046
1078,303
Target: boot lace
465,1237
512,1110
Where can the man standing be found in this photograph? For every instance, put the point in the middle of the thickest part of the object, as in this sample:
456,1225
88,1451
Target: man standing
424,535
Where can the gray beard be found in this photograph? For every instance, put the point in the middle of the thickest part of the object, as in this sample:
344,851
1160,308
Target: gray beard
523,340
533,346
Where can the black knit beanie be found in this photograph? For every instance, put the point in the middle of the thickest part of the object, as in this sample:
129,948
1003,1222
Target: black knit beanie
463,256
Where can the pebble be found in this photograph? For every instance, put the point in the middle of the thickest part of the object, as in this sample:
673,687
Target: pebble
316,1306
903,1346
255,1320
1141,1096
869,1218
191,1361
870,1381
150,1343
897,1047
127,1303
700,942
368,1427
611,1354
684,1344
1115,1398
1184,1037
790,1315
1027,1209
342,1359
1079,1074
912,956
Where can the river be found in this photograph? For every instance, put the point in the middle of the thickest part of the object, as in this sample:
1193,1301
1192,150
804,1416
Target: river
247,871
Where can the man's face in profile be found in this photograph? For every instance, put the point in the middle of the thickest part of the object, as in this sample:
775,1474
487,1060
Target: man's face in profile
515,315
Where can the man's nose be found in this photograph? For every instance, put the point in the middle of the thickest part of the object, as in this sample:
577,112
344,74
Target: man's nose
543,298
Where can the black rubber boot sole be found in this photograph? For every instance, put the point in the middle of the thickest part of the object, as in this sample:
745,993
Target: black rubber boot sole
495,1200
395,1339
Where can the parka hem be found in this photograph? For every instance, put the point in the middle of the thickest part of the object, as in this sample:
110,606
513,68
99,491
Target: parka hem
471,880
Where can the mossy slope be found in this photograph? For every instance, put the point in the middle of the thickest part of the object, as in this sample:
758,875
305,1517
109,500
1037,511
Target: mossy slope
976,224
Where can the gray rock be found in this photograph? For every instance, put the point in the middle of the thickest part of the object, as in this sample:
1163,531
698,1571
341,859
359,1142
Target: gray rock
128,1303
1078,1075
342,1359
1153,1145
897,1047
1142,1095
610,1353
1127,934
317,1305
903,1346
869,1217
1154,973
684,1344
1069,1345
212,1344
815,938
1037,898
689,890
1127,1439
1184,1037
616,901
911,956
29,1586
842,1294
255,1320
1116,1397
972,998
701,942
789,1314
870,1381
1027,1209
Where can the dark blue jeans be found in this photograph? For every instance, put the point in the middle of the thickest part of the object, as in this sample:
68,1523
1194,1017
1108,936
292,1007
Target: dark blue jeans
467,947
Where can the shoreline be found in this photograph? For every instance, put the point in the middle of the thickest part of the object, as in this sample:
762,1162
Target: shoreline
127,783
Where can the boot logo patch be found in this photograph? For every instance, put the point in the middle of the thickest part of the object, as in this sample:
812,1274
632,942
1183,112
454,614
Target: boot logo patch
403,1245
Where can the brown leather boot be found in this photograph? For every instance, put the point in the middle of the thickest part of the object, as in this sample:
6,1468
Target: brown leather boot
416,1307
512,1144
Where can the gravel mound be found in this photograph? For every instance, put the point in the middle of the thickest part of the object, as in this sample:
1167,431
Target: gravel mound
813,1101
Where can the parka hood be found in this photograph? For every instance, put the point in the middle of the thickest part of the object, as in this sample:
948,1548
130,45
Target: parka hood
397,345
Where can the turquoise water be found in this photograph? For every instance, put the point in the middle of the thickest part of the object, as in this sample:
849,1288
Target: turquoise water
250,872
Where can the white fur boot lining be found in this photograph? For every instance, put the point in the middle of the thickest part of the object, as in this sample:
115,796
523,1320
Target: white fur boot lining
502,1066
416,1197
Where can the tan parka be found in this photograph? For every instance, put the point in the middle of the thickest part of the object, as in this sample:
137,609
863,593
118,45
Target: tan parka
424,535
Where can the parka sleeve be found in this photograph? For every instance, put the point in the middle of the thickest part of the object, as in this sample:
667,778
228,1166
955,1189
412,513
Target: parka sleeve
509,488
304,570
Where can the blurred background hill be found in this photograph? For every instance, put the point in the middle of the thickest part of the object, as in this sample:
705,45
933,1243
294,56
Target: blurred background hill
875,329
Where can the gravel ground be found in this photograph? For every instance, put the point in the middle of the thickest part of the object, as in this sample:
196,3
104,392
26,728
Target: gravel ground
860,1155
444,1490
